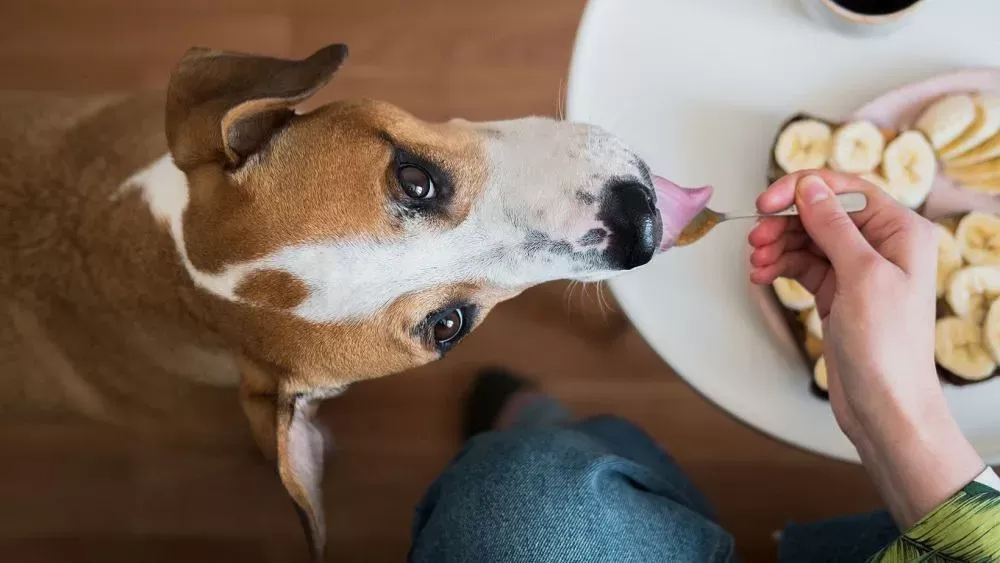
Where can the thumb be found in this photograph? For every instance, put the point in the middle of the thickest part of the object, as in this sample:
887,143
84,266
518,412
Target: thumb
828,225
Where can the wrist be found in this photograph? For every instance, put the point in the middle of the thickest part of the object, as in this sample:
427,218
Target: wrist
917,458
886,411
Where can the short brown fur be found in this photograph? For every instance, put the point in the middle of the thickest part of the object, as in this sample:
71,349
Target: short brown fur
227,224
273,289
99,317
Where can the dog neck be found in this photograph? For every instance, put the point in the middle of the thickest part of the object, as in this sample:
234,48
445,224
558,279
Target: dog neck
100,317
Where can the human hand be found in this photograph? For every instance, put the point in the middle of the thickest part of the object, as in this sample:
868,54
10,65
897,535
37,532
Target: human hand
874,282
873,274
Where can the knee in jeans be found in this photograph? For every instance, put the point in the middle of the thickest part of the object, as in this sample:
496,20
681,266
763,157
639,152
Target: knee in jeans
612,423
523,465
516,490
526,447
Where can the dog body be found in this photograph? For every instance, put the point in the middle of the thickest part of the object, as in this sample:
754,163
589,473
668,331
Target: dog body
99,318
244,244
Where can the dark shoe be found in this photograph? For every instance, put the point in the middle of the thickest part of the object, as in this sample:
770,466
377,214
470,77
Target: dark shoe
490,391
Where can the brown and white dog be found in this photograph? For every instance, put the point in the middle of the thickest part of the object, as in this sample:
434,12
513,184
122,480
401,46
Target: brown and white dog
288,253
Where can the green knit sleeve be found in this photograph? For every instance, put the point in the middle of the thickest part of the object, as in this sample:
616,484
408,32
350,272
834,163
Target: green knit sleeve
965,528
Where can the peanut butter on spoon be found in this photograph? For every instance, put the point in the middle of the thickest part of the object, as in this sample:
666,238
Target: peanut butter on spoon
707,219
699,227
677,207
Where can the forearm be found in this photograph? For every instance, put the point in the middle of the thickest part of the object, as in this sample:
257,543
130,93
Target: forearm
917,460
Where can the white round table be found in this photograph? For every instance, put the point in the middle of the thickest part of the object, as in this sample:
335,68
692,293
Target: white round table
698,89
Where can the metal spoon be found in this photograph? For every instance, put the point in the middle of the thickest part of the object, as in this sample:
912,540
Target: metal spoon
707,219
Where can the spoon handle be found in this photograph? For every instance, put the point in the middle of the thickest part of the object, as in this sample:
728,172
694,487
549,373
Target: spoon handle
851,202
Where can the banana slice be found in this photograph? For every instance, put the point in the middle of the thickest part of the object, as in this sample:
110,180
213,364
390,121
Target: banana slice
991,330
880,182
987,150
857,147
978,236
958,348
802,145
820,377
813,346
983,127
812,342
909,166
973,173
946,119
949,259
813,323
792,295
971,290
986,186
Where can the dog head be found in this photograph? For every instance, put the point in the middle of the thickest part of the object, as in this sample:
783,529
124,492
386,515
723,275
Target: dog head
359,241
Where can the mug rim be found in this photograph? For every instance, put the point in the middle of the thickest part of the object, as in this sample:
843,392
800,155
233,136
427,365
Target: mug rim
856,17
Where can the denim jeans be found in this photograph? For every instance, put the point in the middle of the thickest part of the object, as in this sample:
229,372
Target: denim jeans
598,490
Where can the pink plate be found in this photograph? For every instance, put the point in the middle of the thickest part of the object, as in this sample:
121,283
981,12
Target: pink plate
898,110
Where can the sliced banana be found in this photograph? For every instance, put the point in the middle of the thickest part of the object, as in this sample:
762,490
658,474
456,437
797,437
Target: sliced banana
987,150
971,290
880,182
958,348
986,186
802,145
983,127
814,324
909,166
984,171
991,330
949,259
857,147
978,236
946,119
792,295
813,346
820,377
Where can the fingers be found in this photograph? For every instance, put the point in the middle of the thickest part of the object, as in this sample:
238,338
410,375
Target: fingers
805,267
829,226
770,229
781,194
789,241
884,228
882,215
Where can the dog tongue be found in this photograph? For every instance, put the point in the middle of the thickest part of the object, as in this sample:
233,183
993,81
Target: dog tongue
677,207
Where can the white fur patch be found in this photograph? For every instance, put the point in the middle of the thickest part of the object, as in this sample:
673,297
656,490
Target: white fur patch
165,189
524,229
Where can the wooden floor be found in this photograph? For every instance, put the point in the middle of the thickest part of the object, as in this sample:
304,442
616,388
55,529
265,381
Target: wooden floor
87,494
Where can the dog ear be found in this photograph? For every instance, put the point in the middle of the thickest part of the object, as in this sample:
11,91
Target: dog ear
300,463
226,106
282,424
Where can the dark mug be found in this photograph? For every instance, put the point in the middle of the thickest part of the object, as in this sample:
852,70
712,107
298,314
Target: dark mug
863,17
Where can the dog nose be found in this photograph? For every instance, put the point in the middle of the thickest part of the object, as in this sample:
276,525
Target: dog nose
629,212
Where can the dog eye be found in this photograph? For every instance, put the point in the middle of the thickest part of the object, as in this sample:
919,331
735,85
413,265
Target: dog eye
416,182
449,326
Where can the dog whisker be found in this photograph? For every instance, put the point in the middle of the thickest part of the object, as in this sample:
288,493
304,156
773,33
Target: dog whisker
568,295
561,101
601,303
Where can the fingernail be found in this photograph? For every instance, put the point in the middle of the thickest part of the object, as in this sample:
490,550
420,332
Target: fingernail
812,189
